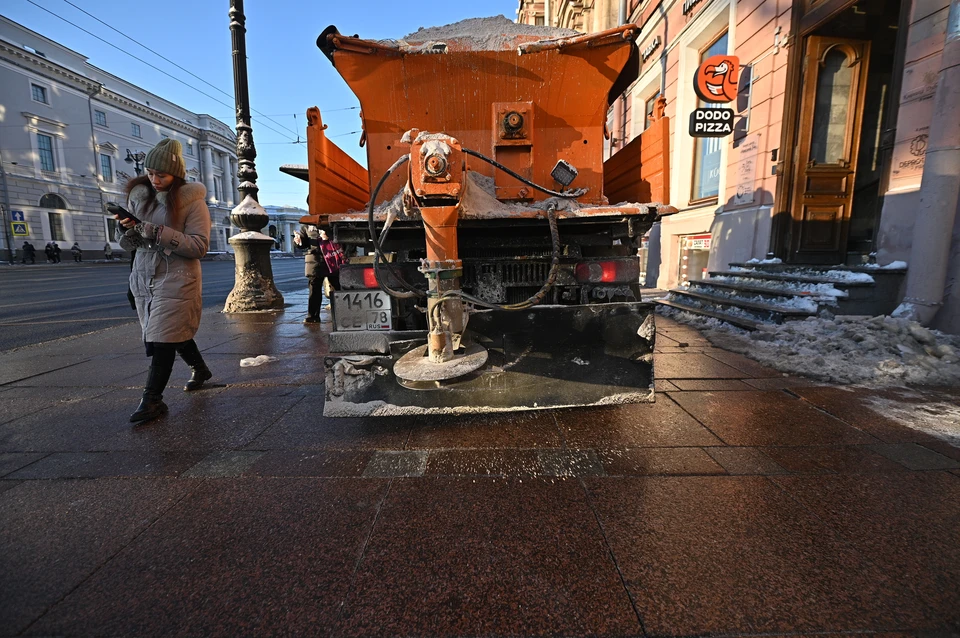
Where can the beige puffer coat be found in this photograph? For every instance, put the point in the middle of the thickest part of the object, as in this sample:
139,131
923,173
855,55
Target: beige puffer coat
166,279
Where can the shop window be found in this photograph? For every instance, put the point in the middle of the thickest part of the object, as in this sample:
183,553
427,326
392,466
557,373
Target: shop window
707,150
694,254
56,227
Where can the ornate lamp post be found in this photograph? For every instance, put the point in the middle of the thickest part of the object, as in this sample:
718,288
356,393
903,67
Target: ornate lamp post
253,287
136,159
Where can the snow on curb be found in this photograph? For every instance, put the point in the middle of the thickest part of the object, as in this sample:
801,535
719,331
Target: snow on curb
879,351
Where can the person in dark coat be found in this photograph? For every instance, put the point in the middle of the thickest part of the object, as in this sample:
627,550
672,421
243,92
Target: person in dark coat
322,261
56,252
29,252
77,253
48,251
165,278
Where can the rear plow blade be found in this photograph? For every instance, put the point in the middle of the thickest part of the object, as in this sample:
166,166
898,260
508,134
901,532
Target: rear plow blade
544,357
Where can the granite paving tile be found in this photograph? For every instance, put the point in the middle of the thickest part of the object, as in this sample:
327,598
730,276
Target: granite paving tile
662,385
779,383
223,464
509,463
765,418
319,463
8,485
906,522
394,463
736,555
711,385
852,406
915,457
744,460
751,369
16,402
240,557
203,422
54,534
304,426
831,459
26,364
86,425
96,373
288,369
658,461
256,344
570,463
63,465
694,365
942,447
659,424
471,557
530,429
13,461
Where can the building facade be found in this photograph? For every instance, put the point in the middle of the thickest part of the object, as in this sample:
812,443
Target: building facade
70,134
283,225
834,115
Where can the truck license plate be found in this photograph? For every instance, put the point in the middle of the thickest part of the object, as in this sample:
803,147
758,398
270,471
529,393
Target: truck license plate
363,310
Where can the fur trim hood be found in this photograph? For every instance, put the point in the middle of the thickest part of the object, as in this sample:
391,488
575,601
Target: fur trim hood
188,193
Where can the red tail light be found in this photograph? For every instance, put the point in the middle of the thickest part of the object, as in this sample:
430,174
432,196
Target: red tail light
369,278
597,272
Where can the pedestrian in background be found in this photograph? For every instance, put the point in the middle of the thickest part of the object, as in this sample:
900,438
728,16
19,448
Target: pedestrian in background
108,251
29,252
48,251
322,260
77,253
165,278
56,252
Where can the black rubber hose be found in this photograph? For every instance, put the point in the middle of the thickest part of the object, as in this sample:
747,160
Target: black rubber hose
411,291
572,194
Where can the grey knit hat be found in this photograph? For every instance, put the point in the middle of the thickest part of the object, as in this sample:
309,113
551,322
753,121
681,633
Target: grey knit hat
167,157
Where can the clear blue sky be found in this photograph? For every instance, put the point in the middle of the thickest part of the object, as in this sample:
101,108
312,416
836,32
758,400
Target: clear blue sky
287,73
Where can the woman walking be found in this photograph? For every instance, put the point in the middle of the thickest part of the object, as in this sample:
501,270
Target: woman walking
172,235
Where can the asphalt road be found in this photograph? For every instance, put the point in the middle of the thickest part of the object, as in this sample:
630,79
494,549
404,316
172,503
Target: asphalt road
51,301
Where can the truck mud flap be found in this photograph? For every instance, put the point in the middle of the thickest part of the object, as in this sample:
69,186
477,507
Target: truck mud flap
544,357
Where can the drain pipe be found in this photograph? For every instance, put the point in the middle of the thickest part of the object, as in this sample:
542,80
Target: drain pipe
939,189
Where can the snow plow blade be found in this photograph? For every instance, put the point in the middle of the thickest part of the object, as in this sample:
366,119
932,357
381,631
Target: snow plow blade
543,357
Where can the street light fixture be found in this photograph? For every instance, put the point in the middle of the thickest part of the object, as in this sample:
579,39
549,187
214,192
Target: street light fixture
136,159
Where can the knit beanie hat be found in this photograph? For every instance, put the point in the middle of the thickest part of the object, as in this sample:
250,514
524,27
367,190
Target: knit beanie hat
167,157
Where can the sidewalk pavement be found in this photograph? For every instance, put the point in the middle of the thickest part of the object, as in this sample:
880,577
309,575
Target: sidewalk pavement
742,502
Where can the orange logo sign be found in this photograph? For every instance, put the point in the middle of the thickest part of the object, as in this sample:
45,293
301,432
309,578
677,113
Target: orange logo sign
716,79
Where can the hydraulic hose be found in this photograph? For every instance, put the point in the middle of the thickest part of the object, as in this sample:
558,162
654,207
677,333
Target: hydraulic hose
571,195
411,292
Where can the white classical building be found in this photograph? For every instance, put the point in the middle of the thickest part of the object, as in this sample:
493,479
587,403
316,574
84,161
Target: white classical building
283,225
68,133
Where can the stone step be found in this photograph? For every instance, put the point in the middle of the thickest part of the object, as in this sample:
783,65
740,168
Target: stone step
763,291
764,312
740,322
806,279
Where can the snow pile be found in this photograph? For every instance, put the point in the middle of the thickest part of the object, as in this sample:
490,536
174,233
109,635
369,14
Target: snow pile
938,418
875,352
775,260
804,303
486,34
893,265
815,290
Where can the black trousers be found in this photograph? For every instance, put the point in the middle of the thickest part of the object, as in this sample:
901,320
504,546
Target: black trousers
315,299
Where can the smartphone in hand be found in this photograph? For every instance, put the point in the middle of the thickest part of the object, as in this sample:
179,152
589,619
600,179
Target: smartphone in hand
121,212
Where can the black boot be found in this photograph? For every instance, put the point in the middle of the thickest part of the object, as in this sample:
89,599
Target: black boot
190,354
152,405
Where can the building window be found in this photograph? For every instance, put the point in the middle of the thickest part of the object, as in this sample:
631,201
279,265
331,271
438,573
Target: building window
538,21
56,227
45,148
190,149
706,150
648,107
217,188
101,117
111,228
135,129
106,167
39,93
53,201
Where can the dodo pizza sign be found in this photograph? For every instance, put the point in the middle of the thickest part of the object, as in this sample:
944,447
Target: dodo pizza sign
715,82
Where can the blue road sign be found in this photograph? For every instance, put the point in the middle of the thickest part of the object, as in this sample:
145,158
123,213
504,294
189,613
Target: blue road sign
17,216
20,229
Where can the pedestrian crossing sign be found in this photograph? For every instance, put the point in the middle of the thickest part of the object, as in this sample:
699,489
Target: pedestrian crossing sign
20,229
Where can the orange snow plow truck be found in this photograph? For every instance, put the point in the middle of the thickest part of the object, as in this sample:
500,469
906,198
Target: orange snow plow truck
487,268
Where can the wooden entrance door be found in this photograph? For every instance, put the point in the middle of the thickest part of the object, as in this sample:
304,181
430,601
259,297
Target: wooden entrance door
833,86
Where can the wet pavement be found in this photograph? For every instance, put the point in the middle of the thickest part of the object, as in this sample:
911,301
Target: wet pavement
742,502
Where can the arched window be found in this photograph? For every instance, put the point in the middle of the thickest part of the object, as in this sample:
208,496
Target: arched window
53,201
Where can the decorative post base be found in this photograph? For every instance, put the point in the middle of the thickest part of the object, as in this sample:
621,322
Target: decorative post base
253,288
